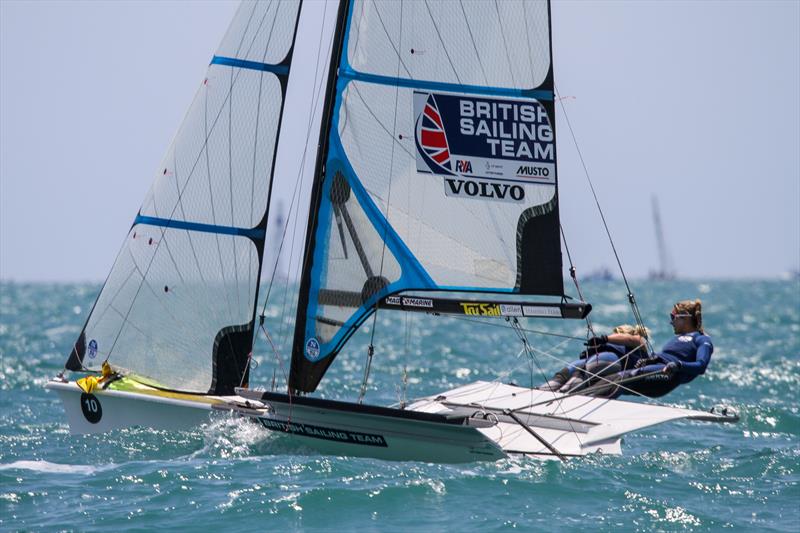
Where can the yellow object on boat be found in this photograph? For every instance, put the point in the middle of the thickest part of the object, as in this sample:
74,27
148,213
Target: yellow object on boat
90,383
87,384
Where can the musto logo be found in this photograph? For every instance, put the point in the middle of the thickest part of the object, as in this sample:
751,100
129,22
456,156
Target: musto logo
486,148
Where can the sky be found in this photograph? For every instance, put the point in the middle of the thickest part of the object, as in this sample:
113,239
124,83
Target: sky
694,103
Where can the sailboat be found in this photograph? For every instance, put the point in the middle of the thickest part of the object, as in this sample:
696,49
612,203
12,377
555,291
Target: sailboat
665,270
435,191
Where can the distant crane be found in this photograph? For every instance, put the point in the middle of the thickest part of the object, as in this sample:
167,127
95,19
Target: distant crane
665,270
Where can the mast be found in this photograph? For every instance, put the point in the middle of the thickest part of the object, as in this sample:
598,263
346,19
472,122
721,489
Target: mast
316,189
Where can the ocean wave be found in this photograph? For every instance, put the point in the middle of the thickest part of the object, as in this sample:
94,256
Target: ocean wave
54,468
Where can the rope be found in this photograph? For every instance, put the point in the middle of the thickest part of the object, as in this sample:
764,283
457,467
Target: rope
538,332
573,273
528,348
371,349
631,298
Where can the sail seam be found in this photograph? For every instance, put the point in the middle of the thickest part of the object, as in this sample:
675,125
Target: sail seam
253,233
249,65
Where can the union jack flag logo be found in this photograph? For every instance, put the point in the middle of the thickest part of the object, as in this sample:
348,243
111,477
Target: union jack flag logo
431,138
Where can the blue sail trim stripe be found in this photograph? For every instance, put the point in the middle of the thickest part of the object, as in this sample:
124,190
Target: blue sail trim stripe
254,233
250,65
351,74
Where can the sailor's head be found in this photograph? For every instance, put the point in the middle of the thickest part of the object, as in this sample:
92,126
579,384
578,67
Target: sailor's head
687,316
632,330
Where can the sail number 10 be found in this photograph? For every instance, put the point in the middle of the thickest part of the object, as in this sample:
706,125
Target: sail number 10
91,408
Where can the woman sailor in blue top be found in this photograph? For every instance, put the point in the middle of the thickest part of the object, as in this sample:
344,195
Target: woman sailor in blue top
683,358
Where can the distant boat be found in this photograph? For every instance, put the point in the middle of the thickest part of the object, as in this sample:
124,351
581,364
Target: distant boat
600,274
665,270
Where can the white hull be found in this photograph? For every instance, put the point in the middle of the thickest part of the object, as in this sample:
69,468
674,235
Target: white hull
480,421
118,409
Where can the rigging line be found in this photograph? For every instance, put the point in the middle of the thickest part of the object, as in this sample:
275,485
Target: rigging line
370,351
246,28
230,132
294,206
530,355
474,46
594,375
505,44
527,34
131,324
389,37
378,120
119,289
444,48
471,210
230,188
188,233
211,196
185,327
538,332
275,351
493,385
357,30
255,143
295,193
574,275
631,298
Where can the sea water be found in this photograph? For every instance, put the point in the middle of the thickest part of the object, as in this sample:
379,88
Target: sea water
684,476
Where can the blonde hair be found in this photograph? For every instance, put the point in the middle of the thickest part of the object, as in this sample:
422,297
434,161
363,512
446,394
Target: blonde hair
632,330
693,308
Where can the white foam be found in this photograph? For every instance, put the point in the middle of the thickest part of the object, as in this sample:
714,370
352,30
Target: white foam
51,468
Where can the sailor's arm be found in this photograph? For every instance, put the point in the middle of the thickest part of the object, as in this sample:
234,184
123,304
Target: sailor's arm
631,341
704,351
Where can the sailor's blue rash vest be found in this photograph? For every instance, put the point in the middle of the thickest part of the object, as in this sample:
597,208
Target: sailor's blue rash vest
691,352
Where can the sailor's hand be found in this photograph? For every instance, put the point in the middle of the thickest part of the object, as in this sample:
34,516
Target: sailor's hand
597,341
647,361
670,368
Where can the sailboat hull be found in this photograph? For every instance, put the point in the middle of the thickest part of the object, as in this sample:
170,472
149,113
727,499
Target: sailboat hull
342,428
476,422
106,410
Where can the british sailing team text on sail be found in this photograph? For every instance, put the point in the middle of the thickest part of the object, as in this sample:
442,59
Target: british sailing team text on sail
507,127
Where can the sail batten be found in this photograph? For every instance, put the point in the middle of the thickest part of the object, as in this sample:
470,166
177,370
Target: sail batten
350,74
438,168
255,233
250,65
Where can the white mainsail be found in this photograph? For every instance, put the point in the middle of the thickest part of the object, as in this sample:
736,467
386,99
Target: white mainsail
439,165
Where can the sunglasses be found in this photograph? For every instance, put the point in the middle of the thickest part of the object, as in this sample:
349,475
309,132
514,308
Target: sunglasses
673,316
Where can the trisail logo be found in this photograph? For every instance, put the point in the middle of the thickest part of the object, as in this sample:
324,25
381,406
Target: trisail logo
486,148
